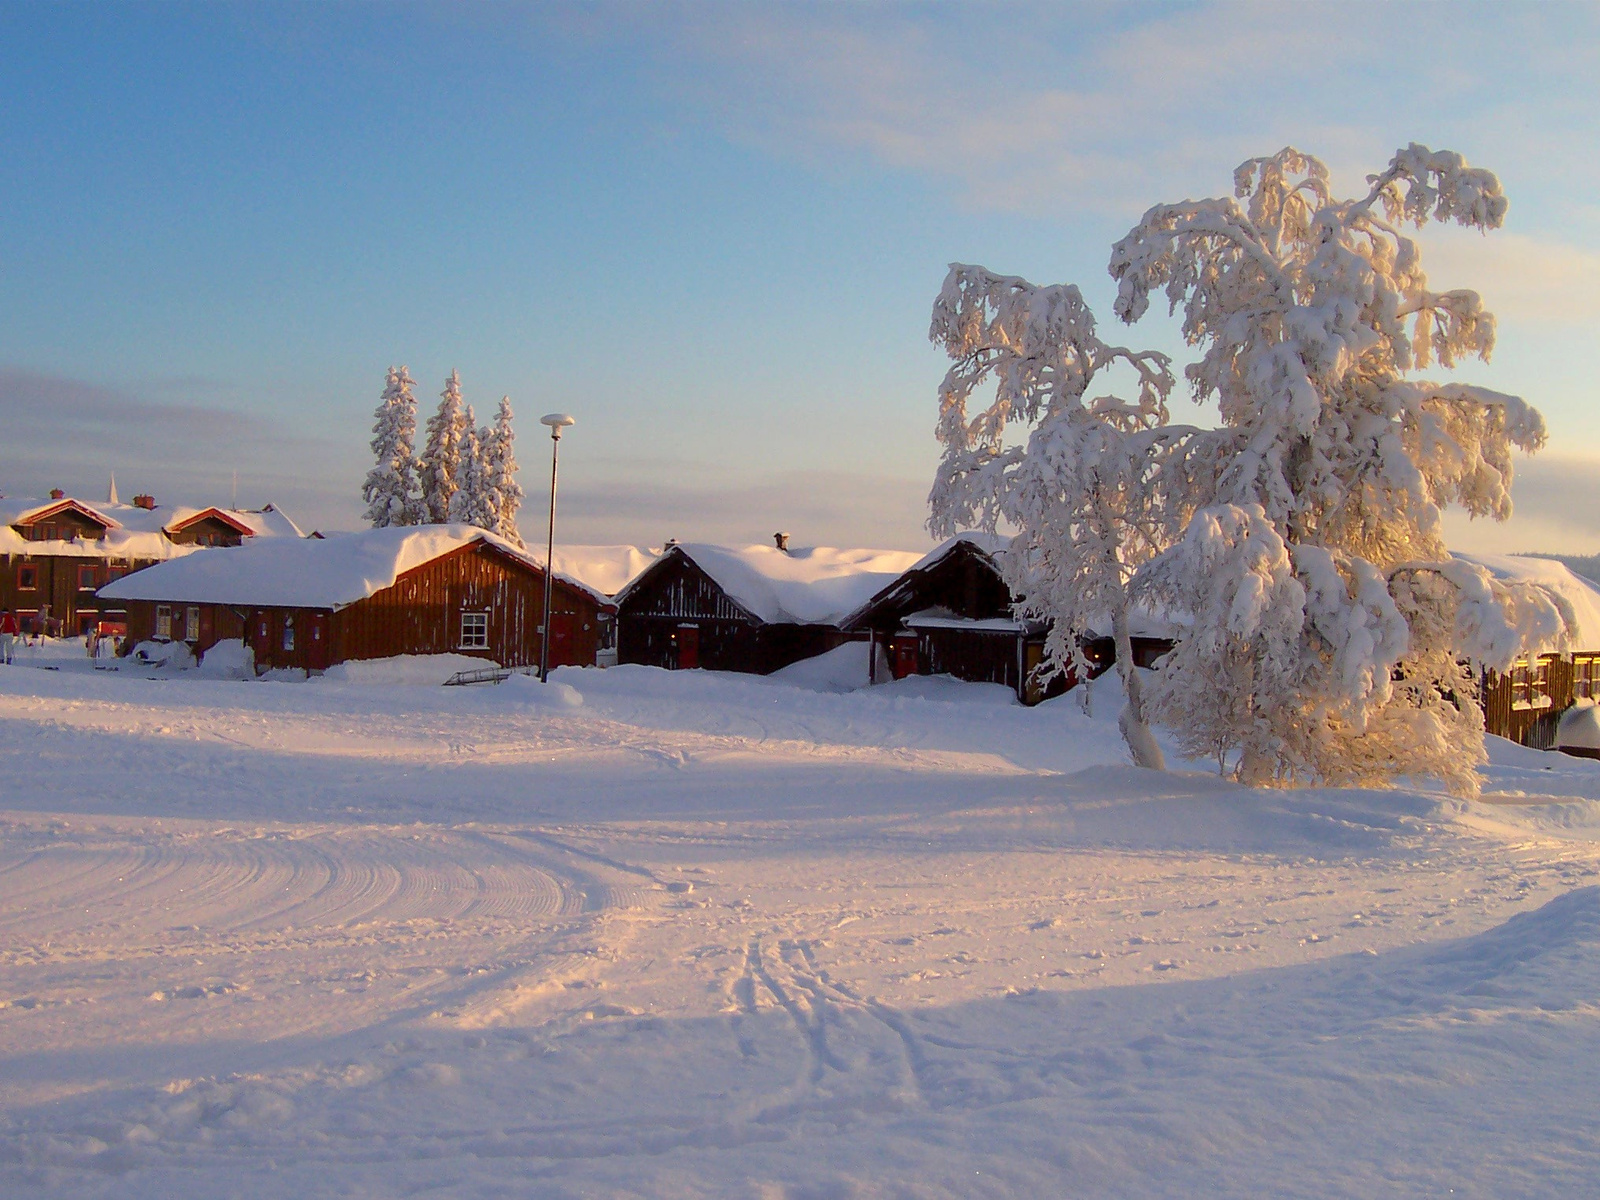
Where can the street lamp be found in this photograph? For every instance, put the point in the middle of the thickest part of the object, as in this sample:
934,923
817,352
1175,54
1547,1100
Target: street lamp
557,422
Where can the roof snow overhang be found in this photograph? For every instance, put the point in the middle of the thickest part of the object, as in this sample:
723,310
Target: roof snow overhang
215,514
57,507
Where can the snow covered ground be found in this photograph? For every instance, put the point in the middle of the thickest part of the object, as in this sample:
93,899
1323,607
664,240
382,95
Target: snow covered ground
643,934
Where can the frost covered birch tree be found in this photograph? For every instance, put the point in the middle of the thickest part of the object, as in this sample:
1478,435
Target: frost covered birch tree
1328,614
441,456
504,492
1096,489
391,489
1300,542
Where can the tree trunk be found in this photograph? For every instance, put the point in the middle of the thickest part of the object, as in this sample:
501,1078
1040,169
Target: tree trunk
1141,742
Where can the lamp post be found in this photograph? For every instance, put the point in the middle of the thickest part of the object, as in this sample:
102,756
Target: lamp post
557,422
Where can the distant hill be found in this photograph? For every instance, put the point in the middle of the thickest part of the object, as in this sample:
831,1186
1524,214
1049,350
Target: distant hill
1587,566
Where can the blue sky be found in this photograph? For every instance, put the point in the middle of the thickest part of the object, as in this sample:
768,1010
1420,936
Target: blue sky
713,233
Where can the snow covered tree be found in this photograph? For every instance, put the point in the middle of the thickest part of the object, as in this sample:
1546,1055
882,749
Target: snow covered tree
471,502
1097,488
441,456
391,490
500,471
1328,616
1300,542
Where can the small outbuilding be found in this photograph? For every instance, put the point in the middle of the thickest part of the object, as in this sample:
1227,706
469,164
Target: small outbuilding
951,613
748,608
310,603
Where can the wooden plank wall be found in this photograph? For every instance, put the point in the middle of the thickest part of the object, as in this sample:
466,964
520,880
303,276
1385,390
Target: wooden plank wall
1525,703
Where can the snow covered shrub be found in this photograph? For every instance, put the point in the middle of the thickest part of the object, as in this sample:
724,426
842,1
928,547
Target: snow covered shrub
1301,540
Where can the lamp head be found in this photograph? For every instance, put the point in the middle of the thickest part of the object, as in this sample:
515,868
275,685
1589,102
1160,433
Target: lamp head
557,422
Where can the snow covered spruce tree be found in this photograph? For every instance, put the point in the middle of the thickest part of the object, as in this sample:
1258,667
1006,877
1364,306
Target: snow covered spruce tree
1097,489
1328,616
500,459
391,490
441,457
471,503
1325,618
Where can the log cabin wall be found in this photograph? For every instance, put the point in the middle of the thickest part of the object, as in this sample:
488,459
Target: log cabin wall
675,595
420,613
207,531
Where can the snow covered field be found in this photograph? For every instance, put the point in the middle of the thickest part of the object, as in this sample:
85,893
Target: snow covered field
641,934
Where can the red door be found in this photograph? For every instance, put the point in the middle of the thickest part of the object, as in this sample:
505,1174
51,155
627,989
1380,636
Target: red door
316,635
903,655
261,639
564,639
688,639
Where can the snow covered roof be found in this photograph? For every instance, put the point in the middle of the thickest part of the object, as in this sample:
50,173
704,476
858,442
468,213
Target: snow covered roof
1558,578
894,590
329,572
606,570
813,585
131,532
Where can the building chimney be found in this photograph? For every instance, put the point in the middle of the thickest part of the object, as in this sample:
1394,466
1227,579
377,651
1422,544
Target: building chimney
144,501
782,541
56,494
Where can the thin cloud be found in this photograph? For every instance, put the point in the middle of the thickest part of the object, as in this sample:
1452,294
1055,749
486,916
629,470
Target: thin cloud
74,434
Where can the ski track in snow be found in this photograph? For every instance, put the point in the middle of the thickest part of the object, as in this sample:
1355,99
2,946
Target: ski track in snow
701,936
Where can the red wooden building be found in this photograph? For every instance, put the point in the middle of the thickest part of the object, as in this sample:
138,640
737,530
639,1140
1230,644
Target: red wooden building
56,553
314,602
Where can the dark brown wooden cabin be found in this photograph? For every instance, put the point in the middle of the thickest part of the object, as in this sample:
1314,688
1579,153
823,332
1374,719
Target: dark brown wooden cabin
477,600
951,615
676,616
209,527
1525,703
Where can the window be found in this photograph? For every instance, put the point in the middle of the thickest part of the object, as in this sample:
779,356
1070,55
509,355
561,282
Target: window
474,631
191,624
86,580
163,622
288,632
27,577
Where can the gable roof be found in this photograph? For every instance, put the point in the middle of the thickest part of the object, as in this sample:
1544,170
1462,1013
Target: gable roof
193,517
814,585
131,532
985,546
33,511
330,572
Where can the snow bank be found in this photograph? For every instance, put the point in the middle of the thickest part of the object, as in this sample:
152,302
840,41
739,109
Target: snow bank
228,659
406,670
842,669
173,656
1580,727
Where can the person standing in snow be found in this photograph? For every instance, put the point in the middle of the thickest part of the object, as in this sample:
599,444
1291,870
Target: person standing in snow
8,635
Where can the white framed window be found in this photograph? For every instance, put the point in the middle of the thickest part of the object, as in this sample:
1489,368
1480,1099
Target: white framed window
474,631
288,633
164,622
191,624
